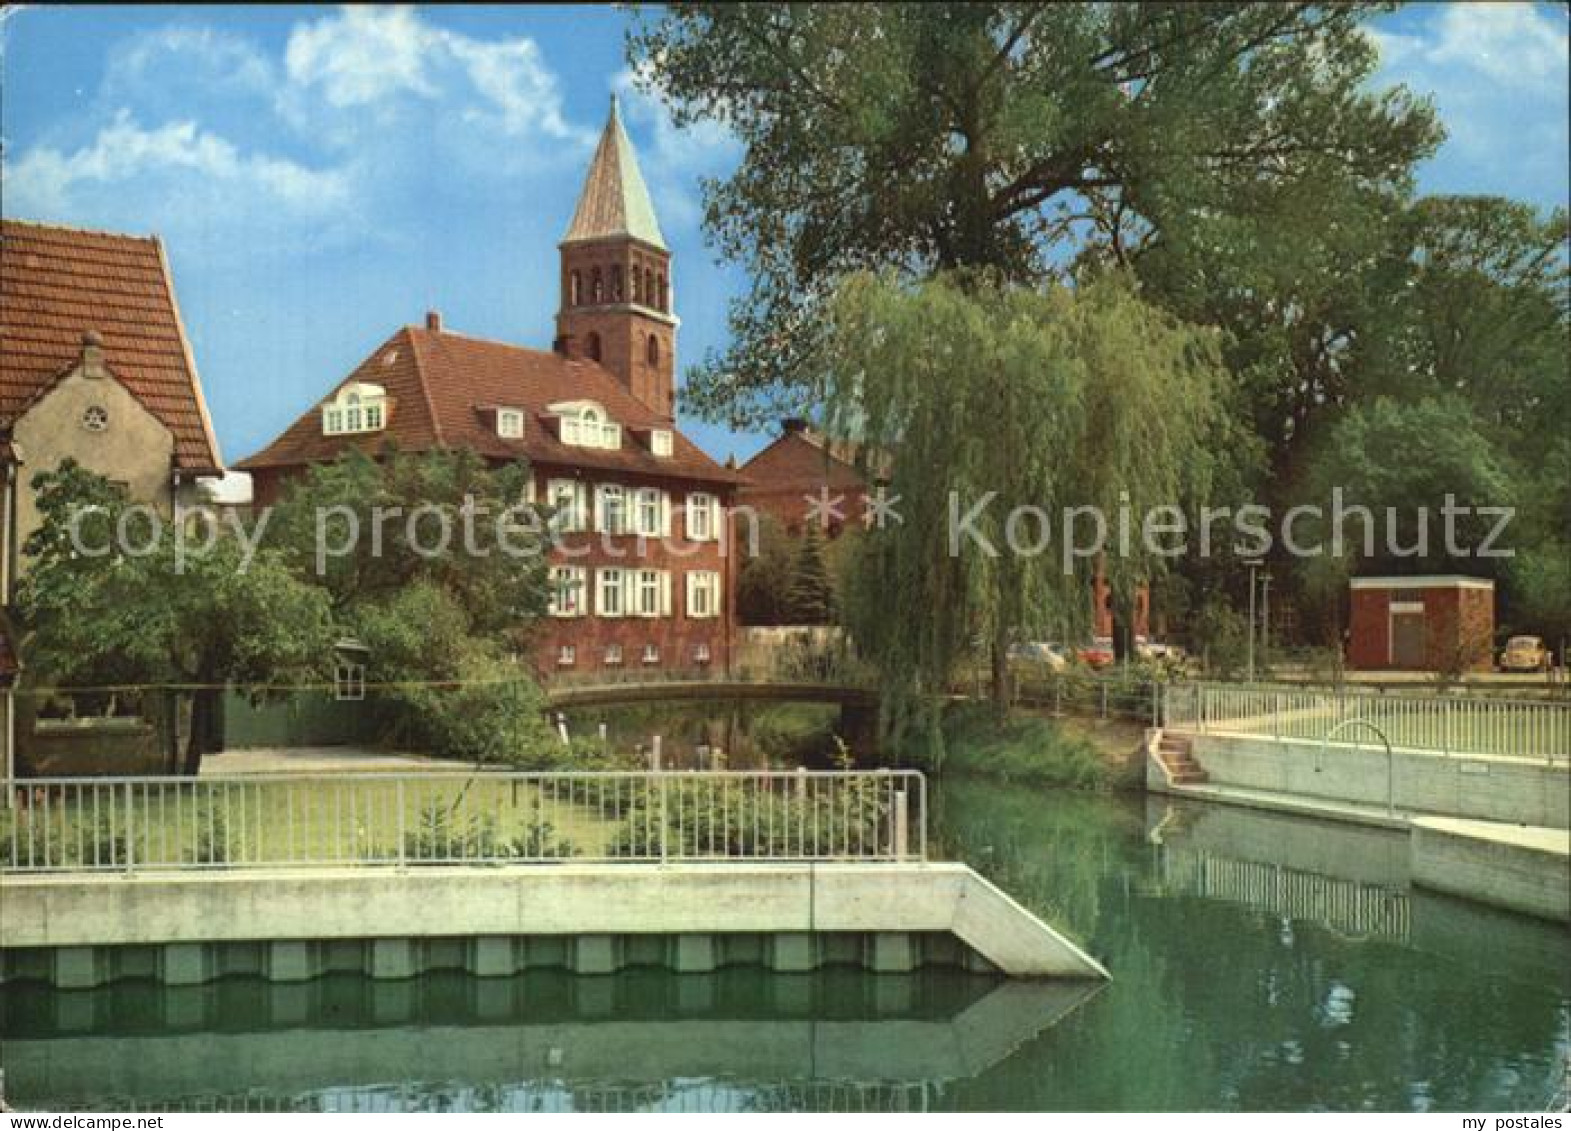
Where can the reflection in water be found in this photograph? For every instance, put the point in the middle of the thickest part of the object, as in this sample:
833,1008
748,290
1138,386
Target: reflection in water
1254,966
542,1041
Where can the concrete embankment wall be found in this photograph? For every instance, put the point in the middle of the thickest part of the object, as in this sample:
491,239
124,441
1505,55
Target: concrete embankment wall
1520,870
290,925
1486,789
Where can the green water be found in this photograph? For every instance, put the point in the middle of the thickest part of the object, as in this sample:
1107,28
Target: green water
1259,962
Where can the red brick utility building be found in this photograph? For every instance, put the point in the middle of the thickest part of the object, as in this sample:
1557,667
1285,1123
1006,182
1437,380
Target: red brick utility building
799,469
1421,624
645,580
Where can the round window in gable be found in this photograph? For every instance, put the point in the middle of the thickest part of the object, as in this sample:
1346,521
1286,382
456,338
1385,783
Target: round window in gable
96,418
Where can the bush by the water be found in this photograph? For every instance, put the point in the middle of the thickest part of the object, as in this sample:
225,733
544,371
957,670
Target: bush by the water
1024,748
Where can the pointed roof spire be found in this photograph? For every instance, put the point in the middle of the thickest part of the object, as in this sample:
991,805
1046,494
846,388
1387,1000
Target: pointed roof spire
615,201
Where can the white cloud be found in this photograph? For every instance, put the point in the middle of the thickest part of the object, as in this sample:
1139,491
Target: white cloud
1498,73
158,62
167,170
1509,44
378,58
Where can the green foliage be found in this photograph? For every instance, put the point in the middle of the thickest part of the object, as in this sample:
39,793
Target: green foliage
1219,637
1037,402
440,629
754,817
764,581
497,591
163,617
439,835
810,597
1232,151
212,835
1023,748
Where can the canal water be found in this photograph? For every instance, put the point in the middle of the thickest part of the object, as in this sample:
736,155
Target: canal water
1260,962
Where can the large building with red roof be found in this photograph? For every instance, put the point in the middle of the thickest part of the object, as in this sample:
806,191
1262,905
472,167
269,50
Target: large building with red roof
644,578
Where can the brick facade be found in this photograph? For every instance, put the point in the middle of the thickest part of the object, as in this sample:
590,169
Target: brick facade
1421,624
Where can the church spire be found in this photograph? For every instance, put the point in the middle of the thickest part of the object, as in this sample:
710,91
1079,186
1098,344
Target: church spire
616,277
615,202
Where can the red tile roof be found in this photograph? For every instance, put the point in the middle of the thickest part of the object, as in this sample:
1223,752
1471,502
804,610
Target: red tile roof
800,460
58,283
438,384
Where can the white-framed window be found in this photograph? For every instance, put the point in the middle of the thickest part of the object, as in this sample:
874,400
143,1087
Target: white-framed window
660,441
613,655
358,407
653,514
585,424
651,653
569,502
510,424
703,594
611,508
701,654
703,517
611,596
348,681
651,596
568,596
566,656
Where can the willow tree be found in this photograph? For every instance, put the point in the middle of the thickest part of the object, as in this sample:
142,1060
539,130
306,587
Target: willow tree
1003,419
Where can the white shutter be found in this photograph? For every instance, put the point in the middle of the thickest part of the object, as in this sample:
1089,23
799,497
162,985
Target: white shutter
665,592
714,602
692,587
665,515
714,517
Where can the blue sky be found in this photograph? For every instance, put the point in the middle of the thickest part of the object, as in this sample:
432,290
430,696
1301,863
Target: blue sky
322,176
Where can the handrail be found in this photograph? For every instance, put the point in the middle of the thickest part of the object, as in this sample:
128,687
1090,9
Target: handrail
480,817
1519,729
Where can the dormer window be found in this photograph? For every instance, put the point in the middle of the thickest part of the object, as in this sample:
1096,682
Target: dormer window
358,407
660,442
584,424
510,424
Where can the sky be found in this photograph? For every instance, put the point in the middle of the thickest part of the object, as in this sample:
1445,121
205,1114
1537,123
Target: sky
321,176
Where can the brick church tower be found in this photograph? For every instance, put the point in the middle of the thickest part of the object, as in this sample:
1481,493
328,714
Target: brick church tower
616,277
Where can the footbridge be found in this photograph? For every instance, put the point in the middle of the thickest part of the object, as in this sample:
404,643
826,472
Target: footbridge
602,693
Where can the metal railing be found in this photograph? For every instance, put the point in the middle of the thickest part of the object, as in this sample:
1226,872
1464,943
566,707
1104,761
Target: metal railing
488,818
1528,730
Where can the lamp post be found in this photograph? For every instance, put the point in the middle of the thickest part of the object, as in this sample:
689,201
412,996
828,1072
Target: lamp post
1265,618
1253,564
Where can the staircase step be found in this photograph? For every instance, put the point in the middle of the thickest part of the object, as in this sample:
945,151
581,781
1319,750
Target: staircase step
1190,777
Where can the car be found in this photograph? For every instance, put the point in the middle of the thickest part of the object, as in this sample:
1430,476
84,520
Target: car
1524,654
1098,654
1054,657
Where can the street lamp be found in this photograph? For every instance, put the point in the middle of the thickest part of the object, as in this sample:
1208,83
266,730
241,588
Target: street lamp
1253,564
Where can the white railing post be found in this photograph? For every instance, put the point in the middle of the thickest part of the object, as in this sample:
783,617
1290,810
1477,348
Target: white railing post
900,825
130,829
403,861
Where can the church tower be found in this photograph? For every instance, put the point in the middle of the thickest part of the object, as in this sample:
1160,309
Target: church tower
616,277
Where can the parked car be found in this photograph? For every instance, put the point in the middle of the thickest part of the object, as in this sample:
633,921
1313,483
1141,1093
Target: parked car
1098,654
1053,657
1525,654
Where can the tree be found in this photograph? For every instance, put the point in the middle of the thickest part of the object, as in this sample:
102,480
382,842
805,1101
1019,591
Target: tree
764,582
1004,409
194,622
810,599
1224,152
442,624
